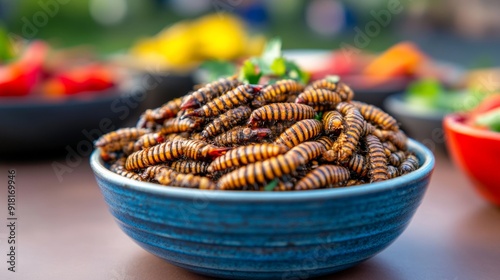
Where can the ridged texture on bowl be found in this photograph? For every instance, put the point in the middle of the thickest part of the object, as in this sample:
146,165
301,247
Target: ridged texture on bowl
265,235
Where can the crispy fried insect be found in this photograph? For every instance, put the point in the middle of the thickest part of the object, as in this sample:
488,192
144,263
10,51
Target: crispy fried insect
389,148
332,122
278,92
118,168
118,164
231,99
160,114
241,134
198,149
129,174
357,163
226,121
281,112
398,138
326,141
190,166
376,159
396,158
330,156
279,127
299,132
169,177
177,136
193,182
245,155
323,176
306,151
345,92
151,171
346,144
392,172
319,99
179,125
376,116
354,182
368,128
163,175
197,136
160,153
148,140
209,92
181,113
258,173
409,164
115,140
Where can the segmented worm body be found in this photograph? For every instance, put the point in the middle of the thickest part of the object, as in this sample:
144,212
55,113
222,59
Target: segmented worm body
231,99
281,112
409,164
279,92
116,140
240,135
323,176
377,159
319,99
307,151
258,173
245,155
167,151
226,121
209,92
346,144
376,116
300,132
190,166
332,122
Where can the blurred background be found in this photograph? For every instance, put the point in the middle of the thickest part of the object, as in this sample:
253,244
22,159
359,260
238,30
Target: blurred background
116,58
441,28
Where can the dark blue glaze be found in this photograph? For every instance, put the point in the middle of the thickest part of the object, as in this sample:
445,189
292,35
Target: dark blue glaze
265,235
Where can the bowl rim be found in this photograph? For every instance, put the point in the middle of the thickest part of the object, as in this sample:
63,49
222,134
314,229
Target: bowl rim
395,104
218,195
455,122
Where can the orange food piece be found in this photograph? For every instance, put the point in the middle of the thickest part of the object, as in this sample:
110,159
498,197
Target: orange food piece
399,60
88,78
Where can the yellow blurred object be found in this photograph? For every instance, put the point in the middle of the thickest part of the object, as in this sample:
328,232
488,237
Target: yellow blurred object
220,36
185,44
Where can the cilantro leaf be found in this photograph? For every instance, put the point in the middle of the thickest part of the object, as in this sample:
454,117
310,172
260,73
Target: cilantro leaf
248,73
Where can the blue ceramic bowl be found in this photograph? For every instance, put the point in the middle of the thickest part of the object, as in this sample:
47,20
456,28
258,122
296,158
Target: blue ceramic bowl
265,235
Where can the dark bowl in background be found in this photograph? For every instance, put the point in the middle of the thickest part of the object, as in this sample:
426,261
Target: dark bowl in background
376,94
422,125
164,86
37,127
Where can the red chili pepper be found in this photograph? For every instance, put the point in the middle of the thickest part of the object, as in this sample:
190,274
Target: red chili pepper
89,78
20,77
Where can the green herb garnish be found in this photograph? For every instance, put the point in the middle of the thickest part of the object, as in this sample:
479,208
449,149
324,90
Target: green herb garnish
271,64
270,187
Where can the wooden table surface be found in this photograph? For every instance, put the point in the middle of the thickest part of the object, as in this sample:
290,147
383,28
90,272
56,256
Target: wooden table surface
66,232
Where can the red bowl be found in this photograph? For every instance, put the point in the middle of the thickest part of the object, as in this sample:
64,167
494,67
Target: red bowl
477,153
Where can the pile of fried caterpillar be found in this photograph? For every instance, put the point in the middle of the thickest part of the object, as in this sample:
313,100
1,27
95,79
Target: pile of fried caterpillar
227,135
